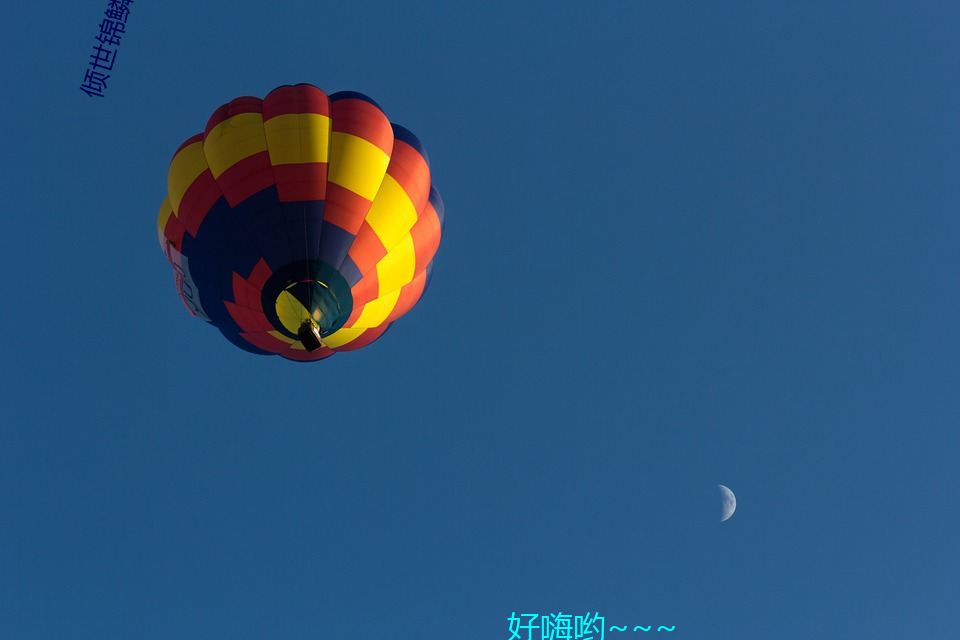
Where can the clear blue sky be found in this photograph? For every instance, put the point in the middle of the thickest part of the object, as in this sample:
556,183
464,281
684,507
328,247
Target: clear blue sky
686,243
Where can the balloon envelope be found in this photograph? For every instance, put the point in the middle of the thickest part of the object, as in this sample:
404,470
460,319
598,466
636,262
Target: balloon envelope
300,221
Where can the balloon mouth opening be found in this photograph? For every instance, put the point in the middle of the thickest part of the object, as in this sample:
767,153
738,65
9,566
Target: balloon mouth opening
307,309
309,335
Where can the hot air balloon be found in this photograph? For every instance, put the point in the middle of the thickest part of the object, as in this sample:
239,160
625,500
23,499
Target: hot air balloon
301,224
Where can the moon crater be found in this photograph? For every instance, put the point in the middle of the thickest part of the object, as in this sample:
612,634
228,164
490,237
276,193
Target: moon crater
728,503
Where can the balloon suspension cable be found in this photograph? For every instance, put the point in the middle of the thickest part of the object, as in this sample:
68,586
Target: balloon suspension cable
306,262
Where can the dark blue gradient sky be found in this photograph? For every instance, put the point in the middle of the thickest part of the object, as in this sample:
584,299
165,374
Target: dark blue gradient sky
687,243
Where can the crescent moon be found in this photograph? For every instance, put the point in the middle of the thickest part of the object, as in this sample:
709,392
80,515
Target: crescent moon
728,502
